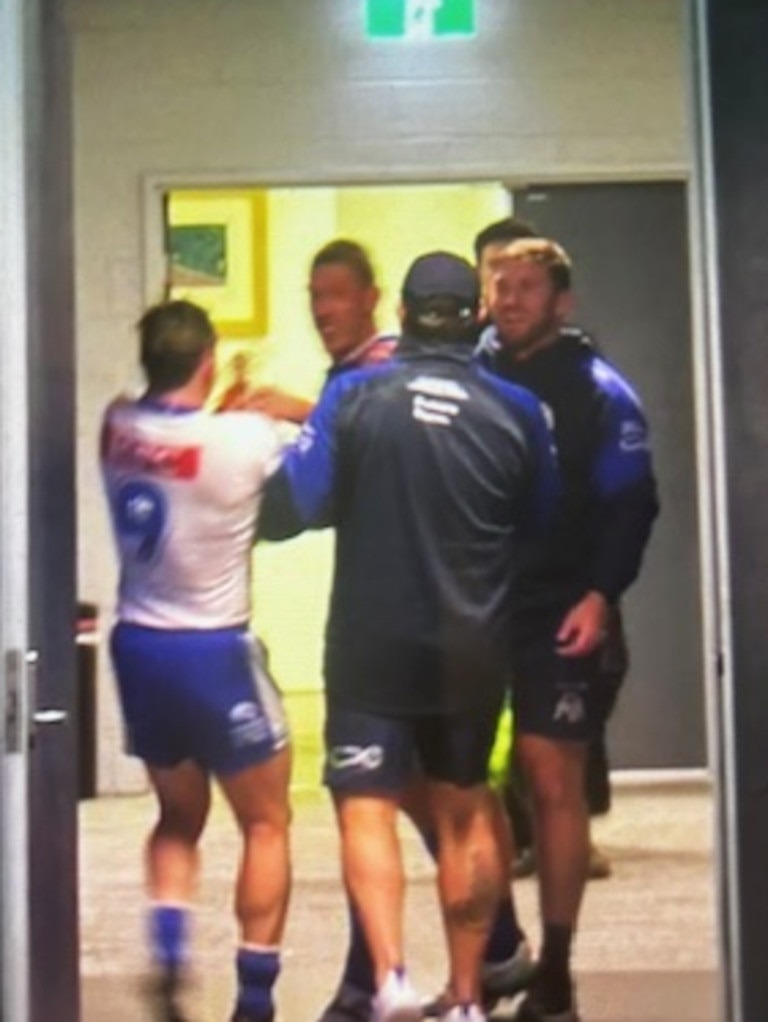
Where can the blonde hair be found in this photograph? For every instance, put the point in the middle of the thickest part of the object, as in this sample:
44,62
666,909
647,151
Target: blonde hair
538,250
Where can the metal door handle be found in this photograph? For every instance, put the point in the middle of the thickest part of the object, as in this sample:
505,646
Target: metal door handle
50,716
46,715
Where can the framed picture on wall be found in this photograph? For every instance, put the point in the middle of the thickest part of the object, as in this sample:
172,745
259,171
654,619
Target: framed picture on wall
217,256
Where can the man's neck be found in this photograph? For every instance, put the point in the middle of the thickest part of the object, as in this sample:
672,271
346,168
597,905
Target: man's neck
355,352
522,354
190,397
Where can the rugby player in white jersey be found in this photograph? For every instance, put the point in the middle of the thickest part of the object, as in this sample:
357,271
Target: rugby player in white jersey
183,486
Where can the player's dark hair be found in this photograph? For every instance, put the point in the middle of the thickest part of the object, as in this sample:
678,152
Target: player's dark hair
173,338
343,252
501,231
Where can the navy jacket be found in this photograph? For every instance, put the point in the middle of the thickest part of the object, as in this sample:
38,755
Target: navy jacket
433,471
609,499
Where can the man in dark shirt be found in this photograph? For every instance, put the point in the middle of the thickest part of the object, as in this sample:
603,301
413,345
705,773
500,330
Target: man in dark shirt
433,472
570,585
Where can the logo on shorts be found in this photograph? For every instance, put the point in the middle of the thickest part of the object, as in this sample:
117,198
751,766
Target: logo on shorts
247,724
355,757
633,436
570,708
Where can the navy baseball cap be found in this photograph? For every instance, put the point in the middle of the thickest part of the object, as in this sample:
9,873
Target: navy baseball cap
441,275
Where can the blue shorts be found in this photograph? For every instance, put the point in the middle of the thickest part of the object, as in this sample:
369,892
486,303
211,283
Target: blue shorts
564,698
199,695
368,752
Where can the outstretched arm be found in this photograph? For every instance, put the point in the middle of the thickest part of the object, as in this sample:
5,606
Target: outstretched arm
300,494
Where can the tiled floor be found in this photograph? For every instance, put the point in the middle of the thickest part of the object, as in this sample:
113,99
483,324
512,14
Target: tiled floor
645,953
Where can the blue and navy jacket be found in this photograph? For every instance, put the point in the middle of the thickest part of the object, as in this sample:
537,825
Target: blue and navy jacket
433,471
609,490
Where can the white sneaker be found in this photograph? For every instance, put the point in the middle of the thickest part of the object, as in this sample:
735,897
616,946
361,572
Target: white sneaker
463,1013
396,1000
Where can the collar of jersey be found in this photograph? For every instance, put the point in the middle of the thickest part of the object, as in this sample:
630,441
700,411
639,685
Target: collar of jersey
155,404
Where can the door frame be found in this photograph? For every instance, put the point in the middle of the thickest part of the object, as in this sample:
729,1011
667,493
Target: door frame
14,521
709,439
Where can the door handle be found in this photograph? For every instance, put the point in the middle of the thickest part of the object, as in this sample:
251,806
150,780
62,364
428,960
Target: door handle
50,716
45,716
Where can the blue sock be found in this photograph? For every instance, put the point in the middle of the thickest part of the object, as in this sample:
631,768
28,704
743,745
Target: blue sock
506,932
257,971
358,968
505,935
168,934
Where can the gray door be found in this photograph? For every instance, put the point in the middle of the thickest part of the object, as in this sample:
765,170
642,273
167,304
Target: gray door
38,926
628,243
53,758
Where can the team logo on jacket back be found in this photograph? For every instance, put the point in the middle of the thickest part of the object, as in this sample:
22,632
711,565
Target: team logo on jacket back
435,399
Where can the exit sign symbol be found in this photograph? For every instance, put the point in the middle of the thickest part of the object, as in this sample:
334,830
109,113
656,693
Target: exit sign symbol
419,19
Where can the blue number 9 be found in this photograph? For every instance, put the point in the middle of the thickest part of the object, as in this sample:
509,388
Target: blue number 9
141,515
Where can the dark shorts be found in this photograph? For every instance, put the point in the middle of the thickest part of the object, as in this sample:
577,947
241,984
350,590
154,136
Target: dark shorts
199,695
367,752
559,697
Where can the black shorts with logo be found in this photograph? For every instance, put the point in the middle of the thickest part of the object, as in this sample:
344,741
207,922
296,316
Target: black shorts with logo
374,752
564,698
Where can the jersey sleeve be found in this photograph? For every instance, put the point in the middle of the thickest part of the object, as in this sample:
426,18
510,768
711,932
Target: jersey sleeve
626,491
300,493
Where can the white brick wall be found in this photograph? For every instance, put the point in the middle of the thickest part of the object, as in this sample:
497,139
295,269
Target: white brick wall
289,91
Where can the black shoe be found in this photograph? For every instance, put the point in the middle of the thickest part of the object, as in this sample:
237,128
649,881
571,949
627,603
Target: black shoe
164,995
348,1004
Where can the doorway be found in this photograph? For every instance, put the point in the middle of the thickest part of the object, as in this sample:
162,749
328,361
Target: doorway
629,245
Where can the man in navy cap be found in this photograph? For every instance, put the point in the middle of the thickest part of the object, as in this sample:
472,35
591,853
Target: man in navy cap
433,471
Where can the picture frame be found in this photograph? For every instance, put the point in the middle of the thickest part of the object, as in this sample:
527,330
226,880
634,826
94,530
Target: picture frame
217,256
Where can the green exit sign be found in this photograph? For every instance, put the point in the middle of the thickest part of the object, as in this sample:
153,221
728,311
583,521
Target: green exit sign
419,19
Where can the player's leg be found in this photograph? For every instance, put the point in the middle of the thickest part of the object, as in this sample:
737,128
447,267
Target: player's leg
246,746
258,797
150,667
556,717
368,759
454,753
172,858
613,668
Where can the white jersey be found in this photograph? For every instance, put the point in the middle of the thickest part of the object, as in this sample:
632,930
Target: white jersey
184,491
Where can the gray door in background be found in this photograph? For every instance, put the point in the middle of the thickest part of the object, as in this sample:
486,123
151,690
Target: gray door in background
629,246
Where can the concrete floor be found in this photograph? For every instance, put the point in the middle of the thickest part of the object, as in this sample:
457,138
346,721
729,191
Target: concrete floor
645,951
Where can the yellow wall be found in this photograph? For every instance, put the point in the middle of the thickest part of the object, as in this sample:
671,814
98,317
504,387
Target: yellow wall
292,580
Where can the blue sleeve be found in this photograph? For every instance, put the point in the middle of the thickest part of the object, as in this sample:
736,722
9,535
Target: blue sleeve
625,486
300,493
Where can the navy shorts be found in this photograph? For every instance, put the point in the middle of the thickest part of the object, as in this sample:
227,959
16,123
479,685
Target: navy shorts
199,695
564,698
371,752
